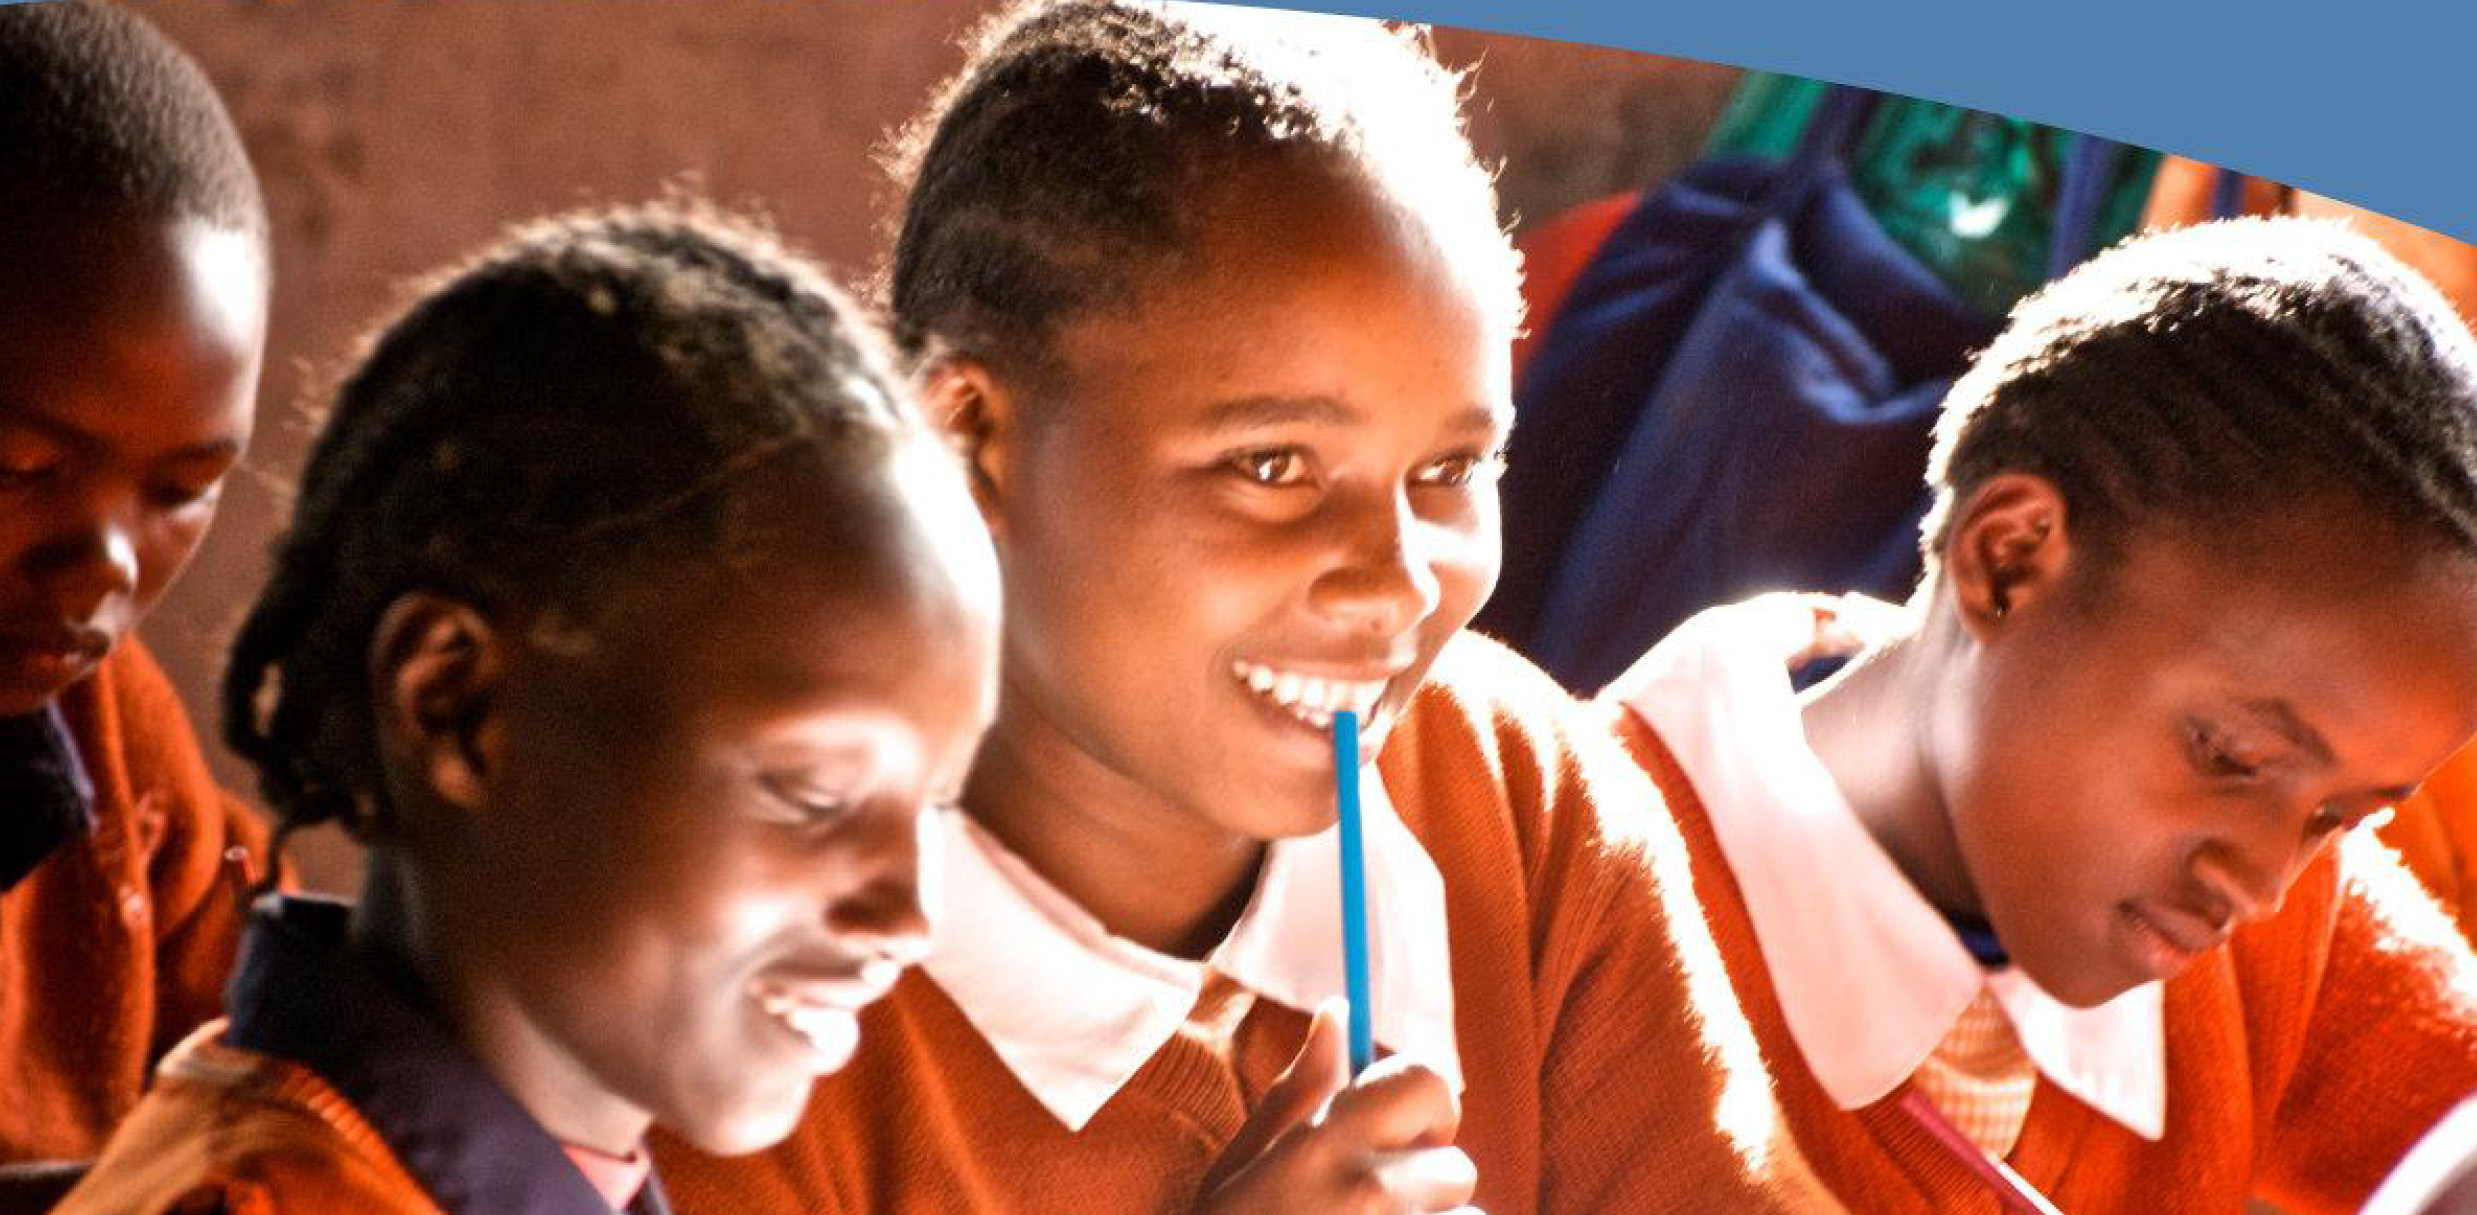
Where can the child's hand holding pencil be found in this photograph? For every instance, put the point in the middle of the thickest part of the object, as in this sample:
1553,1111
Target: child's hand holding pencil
1324,1143
1341,1133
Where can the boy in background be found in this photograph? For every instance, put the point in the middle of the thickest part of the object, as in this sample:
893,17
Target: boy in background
133,309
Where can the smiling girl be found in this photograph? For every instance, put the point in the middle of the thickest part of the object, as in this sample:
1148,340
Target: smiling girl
633,621
2067,850
1219,306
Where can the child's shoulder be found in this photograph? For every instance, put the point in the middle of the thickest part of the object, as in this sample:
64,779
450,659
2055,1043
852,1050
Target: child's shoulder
1480,695
1492,741
229,1130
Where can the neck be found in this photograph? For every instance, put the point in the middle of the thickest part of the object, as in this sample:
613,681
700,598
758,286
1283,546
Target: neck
1873,726
1150,870
394,919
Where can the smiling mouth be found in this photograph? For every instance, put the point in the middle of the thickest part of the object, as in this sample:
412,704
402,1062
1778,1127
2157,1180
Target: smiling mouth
54,655
824,1015
1311,699
2169,938
831,1032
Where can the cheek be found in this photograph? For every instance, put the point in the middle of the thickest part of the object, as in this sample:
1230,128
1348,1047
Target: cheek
166,545
1469,556
20,530
676,939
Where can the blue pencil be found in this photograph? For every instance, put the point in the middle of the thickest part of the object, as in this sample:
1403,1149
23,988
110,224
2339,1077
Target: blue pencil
1354,891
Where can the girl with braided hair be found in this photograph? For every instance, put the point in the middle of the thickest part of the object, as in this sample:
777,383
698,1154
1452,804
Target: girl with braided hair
1219,305
2067,857
634,622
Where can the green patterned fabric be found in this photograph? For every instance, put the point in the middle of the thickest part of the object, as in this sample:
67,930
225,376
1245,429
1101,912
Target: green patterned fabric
1970,194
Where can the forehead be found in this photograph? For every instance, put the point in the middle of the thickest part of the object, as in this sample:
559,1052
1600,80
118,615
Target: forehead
132,332
1300,284
2368,640
885,592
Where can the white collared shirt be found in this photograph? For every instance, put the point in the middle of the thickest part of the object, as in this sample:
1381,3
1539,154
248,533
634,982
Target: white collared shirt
1074,1011
1870,976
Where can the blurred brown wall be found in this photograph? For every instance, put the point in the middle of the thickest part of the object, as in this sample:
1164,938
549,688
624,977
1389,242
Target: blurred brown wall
394,134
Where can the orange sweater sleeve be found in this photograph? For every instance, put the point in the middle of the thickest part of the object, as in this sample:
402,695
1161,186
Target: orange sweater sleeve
228,1131
1653,1092
2389,1046
197,906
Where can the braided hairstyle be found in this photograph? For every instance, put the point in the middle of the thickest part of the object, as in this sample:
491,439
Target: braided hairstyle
586,404
100,113
1068,164
2224,372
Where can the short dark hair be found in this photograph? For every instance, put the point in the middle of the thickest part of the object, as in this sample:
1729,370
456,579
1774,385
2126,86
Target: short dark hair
2224,371
539,432
1070,157
100,113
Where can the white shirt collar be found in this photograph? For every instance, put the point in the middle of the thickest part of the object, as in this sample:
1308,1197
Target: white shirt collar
1074,1011
1869,974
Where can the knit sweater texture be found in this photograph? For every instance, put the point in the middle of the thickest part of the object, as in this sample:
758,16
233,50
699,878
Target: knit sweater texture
2436,833
117,945
233,1131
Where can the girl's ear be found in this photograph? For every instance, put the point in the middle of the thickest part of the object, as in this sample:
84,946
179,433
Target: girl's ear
435,667
2009,553
979,417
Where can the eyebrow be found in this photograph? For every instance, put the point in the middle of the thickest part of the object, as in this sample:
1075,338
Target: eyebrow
79,439
2281,718
212,449
1257,413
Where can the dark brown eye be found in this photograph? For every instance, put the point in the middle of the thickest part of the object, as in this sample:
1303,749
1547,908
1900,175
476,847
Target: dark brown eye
2215,756
173,495
1455,471
26,461
795,805
1272,466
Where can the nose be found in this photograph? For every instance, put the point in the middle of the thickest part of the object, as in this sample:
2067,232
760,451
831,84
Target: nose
887,913
1381,581
2252,876
88,557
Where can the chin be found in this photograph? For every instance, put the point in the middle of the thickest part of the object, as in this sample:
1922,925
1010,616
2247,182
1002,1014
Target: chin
754,1127
21,699
1274,809
2079,986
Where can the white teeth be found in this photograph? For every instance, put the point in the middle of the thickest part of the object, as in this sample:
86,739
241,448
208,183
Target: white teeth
1311,699
831,1032
1316,694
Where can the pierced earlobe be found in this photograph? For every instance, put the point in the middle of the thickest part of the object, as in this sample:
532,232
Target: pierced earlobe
1999,593
2009,546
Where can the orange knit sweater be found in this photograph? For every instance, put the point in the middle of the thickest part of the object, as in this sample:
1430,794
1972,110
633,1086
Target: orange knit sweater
1593,1083
2436,833
231,1130
2303,1058
118,944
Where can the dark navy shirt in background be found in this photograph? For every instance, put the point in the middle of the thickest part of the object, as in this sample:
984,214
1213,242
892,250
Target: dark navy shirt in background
303,994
